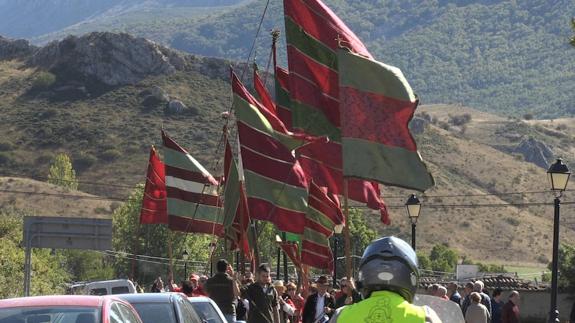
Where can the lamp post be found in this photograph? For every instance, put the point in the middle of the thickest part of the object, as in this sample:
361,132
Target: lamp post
185,256
212,248
413,206
558,176
338,229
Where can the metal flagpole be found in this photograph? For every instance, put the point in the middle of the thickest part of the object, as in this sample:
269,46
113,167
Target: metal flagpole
346,233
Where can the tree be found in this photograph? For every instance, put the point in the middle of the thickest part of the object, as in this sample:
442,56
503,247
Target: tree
61,172
443,258
48,272
566,266
154,240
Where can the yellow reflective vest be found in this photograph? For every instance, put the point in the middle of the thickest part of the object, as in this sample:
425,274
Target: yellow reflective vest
382,307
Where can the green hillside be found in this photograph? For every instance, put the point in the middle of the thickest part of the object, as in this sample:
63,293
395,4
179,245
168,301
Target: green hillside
108,137
508,57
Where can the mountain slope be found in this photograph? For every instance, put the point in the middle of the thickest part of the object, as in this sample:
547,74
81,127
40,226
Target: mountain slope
108,135
31,18
508,57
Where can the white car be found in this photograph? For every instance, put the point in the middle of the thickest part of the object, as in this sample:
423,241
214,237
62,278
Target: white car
103,287
207,309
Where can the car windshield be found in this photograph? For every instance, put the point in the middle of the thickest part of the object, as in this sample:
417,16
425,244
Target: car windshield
207,312
155,312
50,315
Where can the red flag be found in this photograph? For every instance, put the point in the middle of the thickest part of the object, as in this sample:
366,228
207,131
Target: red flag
154,208
291,250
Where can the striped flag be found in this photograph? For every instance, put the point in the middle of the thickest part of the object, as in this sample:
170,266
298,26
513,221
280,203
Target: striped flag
283,101
324,213
236,217
313,34
192,192
276,186
377,104
154,200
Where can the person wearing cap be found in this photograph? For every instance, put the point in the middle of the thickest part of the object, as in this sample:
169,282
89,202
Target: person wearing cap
389,277
224,290
286,305
319,306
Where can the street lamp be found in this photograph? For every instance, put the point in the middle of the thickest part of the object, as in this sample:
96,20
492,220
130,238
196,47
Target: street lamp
558,176
185,257
413,206
338,229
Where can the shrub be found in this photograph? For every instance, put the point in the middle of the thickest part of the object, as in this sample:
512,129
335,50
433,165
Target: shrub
460,120
84,161
43,80
528,116
512,221
6,146
110,154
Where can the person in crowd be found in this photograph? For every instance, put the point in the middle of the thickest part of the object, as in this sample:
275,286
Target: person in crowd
453,294
287,307
510,311
158,286
224,290
477,312
297,300
187,288
263,298
496,306
485,299
319,306
432,289
442,292
193,278
341,283
350,294
467,290
201,289
389,277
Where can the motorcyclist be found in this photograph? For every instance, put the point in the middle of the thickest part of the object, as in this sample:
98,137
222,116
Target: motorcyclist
388,279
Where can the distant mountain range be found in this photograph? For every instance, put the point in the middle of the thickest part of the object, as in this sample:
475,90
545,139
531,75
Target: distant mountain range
33,18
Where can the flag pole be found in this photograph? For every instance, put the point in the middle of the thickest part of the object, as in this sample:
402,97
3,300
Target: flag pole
346,234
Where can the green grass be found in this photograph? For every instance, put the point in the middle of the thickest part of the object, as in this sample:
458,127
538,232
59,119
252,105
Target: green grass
527,272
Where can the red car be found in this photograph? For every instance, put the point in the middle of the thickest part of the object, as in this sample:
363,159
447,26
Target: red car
67,309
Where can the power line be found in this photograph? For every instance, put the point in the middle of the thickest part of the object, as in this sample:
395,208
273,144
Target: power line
392,206
96,183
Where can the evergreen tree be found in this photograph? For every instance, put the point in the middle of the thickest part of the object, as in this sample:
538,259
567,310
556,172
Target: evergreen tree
61,172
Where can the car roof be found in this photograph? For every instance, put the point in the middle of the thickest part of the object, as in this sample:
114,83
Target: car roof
149,297
200,299
54,300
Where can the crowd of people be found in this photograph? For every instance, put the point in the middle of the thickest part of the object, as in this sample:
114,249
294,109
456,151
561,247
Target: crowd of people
253,297
476,304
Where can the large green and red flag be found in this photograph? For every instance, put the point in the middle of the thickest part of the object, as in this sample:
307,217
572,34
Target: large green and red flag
314,33
192,192
236,217
154,200
324,213
377,104
283,102
276,186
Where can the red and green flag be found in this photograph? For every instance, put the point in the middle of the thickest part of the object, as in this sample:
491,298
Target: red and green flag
283,102
313,34
236,217
154,201
324,213
192,192
276,186
377,104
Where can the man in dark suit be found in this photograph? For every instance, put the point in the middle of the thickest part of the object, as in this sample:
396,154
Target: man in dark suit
319,306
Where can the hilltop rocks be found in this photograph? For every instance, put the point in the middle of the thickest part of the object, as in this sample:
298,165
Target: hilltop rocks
109,58
154,96
10,49
534,151
176,107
